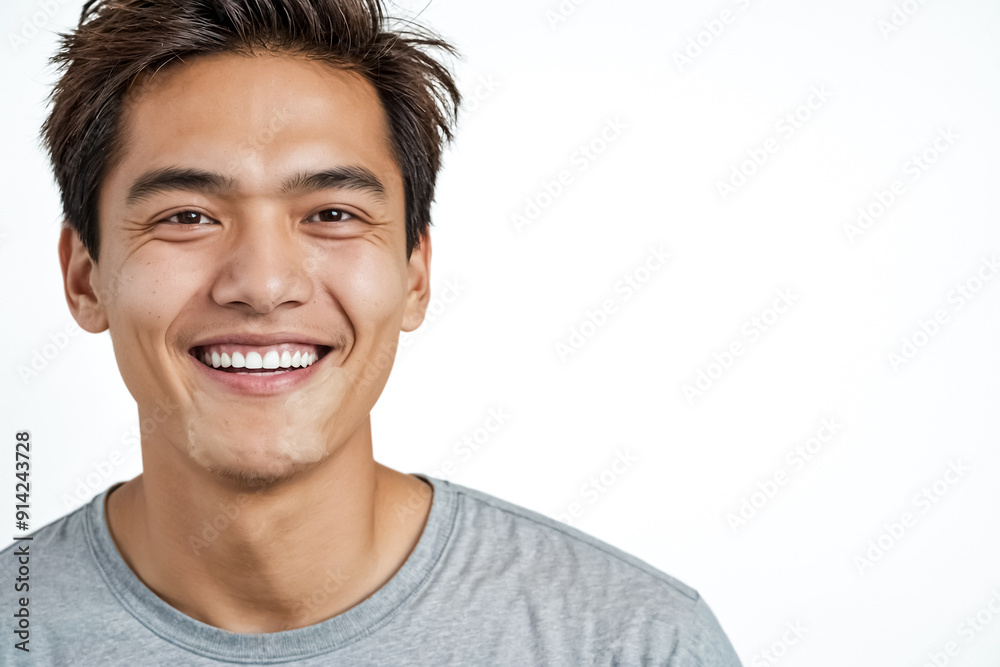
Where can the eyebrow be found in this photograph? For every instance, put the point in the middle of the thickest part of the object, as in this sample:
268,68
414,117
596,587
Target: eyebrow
169,179
338,178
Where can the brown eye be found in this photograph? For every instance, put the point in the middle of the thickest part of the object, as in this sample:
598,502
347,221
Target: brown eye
331,215
189,218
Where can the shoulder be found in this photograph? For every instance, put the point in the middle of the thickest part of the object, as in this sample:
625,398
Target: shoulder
57,543
549,542
55,559
56,587
644,611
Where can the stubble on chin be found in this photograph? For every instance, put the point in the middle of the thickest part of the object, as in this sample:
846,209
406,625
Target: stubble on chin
258,468
259,479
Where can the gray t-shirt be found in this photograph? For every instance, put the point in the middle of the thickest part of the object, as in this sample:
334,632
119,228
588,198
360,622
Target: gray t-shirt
488,583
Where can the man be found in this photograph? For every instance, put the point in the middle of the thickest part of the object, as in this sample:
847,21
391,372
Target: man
247,186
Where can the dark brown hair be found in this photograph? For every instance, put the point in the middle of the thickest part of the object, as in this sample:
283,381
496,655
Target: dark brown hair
120,42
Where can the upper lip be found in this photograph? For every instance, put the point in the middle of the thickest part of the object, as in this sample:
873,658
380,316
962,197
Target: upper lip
259,340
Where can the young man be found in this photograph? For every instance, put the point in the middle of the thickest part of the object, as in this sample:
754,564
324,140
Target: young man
247,185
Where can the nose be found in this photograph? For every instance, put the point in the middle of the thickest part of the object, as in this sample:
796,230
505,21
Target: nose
264,266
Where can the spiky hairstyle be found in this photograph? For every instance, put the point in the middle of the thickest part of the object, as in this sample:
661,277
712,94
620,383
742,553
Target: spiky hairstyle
120,42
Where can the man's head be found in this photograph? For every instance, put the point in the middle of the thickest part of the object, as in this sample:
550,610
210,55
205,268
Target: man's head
109,58
262,174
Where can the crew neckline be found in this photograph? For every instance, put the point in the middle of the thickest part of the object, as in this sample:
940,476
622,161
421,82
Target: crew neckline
273,648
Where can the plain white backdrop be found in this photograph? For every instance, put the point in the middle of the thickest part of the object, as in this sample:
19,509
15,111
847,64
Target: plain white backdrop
822,177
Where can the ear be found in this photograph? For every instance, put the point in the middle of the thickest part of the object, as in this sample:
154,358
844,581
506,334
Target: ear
418,284
80,276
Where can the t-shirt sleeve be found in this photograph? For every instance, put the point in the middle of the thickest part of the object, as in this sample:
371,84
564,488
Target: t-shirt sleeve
701,642
671,635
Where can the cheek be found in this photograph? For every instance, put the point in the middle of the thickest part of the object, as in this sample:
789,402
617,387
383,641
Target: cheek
370,289
145,295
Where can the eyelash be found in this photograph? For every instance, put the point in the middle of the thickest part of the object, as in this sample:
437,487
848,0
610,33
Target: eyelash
184,224
342,213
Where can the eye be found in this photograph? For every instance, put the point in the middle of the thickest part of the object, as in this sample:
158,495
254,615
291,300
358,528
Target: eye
330,215
189,218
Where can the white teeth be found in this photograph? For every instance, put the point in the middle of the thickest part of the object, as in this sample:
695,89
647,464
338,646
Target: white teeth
254,360
271,359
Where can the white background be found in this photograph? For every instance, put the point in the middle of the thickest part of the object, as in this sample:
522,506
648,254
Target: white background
538,89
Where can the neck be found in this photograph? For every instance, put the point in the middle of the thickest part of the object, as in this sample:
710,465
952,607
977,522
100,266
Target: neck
269,559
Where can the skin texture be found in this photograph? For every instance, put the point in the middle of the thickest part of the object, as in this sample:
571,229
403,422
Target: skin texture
296,461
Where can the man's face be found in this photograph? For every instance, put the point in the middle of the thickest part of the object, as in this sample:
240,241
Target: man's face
256,220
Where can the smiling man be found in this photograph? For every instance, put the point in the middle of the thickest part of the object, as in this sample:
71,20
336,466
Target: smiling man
247,189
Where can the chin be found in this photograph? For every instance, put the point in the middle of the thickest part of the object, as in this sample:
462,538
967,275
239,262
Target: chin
257,478
267,462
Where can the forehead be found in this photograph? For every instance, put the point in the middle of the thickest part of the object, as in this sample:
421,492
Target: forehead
254,119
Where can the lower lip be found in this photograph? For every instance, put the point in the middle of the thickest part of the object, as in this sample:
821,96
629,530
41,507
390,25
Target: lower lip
259,384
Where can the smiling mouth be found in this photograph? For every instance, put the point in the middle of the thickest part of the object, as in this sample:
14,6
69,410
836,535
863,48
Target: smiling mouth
259,359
